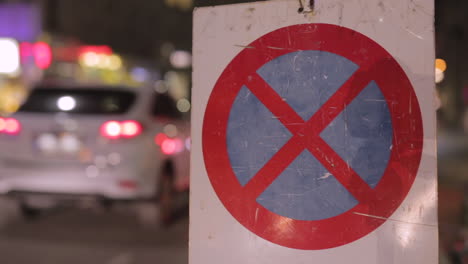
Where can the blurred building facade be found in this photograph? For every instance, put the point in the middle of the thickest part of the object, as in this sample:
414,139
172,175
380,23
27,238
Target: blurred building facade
451,45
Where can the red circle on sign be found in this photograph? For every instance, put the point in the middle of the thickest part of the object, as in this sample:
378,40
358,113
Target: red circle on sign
375,205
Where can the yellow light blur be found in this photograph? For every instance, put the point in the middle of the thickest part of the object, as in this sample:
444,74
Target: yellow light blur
11,106
441,64
102,61
112,77
89,59
439,75
12,93
115,62
106,62
182,4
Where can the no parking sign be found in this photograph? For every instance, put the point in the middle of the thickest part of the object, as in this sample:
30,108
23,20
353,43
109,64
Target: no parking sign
313,134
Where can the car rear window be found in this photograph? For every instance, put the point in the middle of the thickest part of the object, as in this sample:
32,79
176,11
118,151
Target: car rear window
98,100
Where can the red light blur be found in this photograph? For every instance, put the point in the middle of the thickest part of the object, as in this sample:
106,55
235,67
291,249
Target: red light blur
126,129
159,139
26,51
42,55
106,50
168,146
11,126
171,146
130,128
128,184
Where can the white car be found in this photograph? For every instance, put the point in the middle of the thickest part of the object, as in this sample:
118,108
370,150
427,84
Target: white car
106,143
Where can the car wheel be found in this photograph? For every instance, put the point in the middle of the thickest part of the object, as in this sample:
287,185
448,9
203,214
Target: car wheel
166,195
28,212
107,205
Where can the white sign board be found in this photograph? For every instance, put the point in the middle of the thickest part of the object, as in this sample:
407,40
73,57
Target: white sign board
314,133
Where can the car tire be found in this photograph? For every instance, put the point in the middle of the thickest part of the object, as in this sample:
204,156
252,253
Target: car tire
29,213
107,205
166,194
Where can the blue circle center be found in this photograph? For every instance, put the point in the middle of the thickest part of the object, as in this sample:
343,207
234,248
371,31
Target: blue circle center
361,135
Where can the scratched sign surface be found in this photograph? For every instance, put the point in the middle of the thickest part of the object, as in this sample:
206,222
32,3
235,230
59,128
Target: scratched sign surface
311,133
305,189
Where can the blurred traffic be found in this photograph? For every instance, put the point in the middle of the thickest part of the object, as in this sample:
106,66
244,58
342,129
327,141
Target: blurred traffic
102,142
85,128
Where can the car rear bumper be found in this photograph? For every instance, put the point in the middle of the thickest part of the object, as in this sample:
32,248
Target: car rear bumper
70,184
48,200
45,200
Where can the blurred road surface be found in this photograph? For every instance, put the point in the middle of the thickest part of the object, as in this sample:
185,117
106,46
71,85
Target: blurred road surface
90,235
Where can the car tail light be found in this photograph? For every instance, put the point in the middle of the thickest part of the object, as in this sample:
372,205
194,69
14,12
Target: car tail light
111,129
130,128
171,146
9,126
168,146
118,129
128,184
42,55
159,138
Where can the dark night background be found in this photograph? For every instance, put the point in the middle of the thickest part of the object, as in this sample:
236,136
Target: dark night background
142,27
